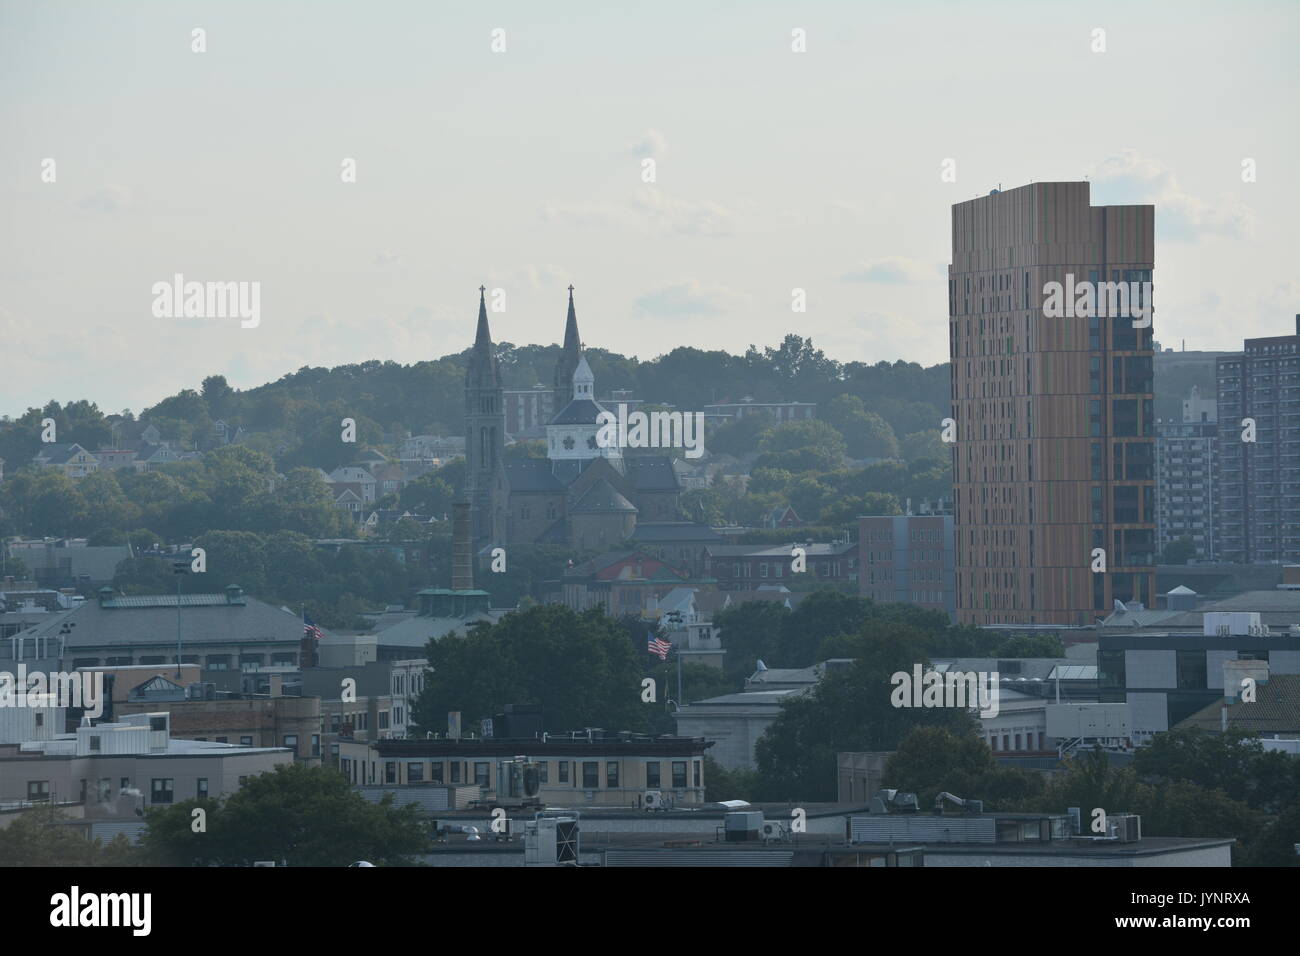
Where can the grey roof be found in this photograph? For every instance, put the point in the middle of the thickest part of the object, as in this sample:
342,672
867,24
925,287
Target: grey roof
58,454
772,698
532,474
652,473
1277,608
417,631
779,550
1275,710
601,498
151,619
647,531
580,411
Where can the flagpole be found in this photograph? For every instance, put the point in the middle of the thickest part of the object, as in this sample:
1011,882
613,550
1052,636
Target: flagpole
679,676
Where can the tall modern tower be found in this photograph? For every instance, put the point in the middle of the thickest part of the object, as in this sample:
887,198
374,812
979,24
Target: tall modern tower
485,430
1259,480
1054,454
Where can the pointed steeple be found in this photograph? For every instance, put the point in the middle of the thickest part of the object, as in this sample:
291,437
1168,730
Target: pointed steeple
482,371
567,363
483,336
571,340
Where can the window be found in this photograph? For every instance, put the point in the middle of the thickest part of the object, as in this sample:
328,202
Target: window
390,771
38,791
126,783
315,745
698,772
545,771
244,741
481,772
455,771
161,790
201,791
435,771
564,771
679,774
223,740
383,720
1192,670
157,724
611,774
415,772
335,721
291,741
652,769
94,743
590,775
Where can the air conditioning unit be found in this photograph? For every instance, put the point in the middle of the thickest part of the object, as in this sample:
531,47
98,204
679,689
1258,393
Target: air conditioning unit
774,832
654,800
1128,827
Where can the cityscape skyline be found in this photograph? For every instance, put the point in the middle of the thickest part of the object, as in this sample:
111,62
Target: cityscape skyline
360,270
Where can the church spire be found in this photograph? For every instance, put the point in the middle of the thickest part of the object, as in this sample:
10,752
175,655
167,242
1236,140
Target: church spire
567,363
483,336
571,340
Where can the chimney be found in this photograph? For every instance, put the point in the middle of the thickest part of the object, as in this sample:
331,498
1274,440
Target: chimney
462,549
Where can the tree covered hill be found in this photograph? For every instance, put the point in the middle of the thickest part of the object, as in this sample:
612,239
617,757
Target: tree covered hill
296,418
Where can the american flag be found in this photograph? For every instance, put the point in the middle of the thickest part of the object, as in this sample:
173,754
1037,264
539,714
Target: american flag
309,628
659,647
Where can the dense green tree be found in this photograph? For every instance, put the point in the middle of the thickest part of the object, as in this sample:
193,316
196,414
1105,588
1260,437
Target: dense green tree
866,434
584,670
303,816
47,836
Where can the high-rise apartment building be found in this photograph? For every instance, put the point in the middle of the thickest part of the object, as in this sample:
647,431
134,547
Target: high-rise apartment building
1259,480
1054,451
1185,476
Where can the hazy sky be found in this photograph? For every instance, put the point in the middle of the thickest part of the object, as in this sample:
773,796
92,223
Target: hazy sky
522,170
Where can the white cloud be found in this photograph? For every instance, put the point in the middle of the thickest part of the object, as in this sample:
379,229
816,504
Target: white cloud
652,144
891,270
648,209
686,299
107,199
1131,178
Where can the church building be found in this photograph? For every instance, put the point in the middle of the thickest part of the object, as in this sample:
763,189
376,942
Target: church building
580,495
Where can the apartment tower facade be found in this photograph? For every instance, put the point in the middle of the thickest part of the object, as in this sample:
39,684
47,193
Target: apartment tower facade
1259,480
1054,446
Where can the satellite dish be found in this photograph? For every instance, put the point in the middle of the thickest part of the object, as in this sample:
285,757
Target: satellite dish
361,863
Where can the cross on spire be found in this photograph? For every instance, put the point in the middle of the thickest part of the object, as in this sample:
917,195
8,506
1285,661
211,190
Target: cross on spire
570,291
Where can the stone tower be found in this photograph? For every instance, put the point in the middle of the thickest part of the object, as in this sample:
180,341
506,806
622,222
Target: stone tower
485,430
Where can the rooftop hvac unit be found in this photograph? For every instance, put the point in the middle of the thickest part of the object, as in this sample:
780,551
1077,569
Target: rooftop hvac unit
1128,827
742,825
774,832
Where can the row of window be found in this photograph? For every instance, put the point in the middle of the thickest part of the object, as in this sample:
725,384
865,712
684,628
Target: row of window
215,662
585,775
